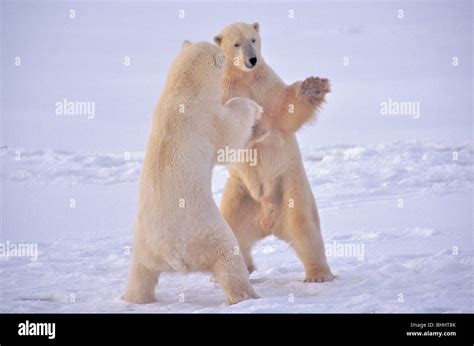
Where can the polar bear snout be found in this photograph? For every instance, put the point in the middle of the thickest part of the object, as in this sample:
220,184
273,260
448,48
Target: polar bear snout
249,56
252,62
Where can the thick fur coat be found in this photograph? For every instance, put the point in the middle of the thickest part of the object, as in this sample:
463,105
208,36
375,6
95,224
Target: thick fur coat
273,197
178,226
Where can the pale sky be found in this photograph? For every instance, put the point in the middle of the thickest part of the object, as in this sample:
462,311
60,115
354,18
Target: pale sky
81,59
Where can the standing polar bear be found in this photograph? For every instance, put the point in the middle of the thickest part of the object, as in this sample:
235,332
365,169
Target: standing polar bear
179,227
273,197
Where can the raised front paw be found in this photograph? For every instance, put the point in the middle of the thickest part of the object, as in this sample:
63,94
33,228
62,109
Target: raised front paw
244,105
313,89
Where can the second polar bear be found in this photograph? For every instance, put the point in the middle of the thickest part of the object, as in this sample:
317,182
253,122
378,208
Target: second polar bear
179,227
274,196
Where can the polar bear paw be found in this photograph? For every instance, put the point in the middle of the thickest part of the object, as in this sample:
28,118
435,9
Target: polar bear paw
240,297
319,276
257,109
313,89
139,298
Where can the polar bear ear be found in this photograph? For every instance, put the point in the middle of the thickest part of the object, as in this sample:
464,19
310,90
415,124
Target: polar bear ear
218,40
219,60
185,44
256,26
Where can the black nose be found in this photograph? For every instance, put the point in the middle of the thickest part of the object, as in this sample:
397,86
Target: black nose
253,61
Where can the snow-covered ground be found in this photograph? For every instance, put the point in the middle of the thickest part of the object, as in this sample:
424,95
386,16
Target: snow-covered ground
404,209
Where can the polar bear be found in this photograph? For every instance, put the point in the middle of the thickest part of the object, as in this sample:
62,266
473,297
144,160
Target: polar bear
179,227
274,196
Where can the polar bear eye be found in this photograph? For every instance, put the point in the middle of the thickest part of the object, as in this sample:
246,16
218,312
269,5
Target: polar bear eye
254,40
237,45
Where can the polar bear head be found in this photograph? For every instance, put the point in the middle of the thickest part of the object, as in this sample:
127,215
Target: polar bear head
241,43
198,68
204,54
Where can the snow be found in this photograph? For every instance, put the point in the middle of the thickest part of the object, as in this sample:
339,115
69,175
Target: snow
354,172
411,257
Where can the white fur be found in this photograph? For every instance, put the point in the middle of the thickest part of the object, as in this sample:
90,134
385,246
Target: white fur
179,227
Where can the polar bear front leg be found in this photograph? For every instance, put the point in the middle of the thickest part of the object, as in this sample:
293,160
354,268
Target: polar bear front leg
302,100
141,284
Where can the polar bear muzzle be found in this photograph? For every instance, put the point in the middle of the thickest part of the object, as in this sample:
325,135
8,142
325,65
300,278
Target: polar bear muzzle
253,61
250,56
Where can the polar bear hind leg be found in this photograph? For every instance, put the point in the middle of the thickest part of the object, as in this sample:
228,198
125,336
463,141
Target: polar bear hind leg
142,283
